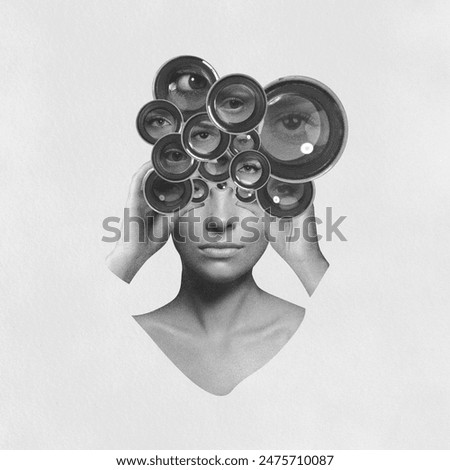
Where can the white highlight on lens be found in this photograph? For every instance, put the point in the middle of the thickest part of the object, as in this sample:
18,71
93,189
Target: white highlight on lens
275,99
307,148
276,199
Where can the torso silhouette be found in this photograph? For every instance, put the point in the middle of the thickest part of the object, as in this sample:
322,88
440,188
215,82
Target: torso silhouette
218,353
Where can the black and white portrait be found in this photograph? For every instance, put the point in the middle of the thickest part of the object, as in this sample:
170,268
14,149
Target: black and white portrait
224,225
236,177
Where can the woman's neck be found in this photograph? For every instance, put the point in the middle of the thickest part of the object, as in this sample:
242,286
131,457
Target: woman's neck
215,307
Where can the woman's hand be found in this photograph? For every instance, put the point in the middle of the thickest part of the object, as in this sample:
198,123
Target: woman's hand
138,242
295,240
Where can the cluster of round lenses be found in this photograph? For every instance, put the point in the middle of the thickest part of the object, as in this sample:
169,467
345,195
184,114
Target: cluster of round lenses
272,142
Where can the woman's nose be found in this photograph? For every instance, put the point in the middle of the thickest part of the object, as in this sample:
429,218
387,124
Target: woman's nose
221,210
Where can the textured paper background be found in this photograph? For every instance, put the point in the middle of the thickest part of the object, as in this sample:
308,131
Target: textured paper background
368,367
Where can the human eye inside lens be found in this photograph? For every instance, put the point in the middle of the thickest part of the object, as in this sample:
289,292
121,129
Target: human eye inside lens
293,120
188,82
159,123
175,159
202,134
249,166
205,137
234,99
174,154
188,89
294,124
235,103
232,104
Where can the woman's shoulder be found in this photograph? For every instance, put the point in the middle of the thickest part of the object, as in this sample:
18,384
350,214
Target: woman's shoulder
163,318
279,317
283,308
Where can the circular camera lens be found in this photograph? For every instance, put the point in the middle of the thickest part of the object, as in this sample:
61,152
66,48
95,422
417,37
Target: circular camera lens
236,104
285,199
166,196
304,130
250,169
157,119
245,195
185,82
171,161
202,140
217,170
201,190
242,142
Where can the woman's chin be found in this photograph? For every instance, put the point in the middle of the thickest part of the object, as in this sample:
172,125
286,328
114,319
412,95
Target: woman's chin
219,272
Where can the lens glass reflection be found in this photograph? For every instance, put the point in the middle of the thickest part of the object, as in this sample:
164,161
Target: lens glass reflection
294,127
217,167
285,195
235,103
204,137
166,192
243,142
245,195
201,190
188,89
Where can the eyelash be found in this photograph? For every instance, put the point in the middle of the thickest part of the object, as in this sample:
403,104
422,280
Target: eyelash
304,119
249,167
233,98
198,134
175,151
152,120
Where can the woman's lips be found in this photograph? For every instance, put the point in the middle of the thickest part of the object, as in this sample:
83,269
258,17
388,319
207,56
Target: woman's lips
220,250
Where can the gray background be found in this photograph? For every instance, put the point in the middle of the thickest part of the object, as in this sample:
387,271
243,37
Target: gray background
369,366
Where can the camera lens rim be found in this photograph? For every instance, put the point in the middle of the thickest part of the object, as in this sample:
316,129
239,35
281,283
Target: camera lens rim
257,116
205,186
162,207
152,106
267,204
322,97
253,134
179,64
249,199
161,144
265,169
216,153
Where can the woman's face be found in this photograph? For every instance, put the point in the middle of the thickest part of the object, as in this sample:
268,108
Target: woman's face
222,238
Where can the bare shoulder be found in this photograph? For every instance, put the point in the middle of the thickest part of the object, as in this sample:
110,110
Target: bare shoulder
161,319
283,308
284,316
